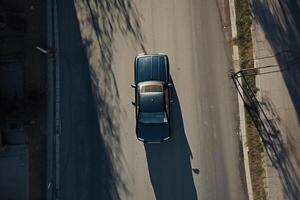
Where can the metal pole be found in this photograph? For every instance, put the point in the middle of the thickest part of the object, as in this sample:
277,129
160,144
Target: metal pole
269,66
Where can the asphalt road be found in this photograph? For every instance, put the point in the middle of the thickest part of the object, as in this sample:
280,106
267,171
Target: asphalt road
100,155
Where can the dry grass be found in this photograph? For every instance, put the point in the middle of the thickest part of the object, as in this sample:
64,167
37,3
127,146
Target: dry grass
244,42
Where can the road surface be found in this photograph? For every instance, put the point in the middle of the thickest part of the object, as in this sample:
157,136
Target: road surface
100,155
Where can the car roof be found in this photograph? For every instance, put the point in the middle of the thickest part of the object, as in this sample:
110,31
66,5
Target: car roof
152,67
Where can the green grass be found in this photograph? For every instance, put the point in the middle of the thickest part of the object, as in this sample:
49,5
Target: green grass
244,42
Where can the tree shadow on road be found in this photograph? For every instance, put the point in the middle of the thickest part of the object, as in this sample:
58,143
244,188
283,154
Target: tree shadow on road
169,164
99,21
92,158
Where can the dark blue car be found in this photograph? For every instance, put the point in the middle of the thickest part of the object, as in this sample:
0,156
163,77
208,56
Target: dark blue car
152,97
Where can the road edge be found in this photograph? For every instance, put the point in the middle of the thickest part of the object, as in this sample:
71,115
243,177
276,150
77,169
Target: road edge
57,101
53,107
50,106
242,122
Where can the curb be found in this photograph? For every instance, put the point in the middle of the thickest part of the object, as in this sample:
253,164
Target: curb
242,128
57,102
53,114
50,106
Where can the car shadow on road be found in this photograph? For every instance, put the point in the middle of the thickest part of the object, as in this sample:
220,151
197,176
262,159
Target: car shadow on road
169,163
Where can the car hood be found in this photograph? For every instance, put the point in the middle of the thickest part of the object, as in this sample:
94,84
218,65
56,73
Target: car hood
153,132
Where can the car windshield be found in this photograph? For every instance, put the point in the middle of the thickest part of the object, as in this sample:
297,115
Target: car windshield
153,117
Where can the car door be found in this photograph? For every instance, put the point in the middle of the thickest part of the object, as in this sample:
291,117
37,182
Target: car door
167,101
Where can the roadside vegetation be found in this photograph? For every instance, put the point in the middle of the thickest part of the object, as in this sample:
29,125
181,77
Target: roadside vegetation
244,42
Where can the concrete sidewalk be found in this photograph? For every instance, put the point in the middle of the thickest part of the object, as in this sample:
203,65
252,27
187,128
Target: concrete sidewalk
274,45
14,174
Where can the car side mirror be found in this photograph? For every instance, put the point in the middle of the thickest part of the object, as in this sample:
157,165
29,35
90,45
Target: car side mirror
170,84
133,85
133,103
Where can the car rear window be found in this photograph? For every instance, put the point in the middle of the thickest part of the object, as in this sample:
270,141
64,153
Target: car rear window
153,117
151,88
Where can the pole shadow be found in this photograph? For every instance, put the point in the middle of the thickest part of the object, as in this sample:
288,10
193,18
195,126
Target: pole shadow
280,22
277,151
268,124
